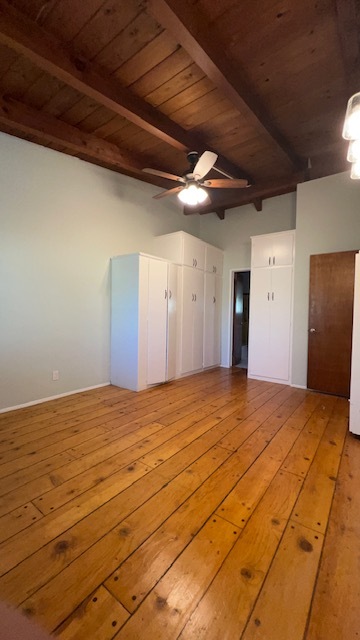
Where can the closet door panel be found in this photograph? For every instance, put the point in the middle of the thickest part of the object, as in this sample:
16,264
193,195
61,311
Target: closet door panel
171,322
187,320
157,322
209,319
280,322
259,329
198,321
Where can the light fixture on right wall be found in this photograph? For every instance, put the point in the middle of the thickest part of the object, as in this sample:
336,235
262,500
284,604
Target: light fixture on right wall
351,131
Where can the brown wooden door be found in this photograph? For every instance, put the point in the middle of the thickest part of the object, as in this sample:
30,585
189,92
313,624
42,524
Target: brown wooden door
330,322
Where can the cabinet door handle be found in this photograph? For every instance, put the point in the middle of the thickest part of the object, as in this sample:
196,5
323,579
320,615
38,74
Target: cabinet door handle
195,297
214,300
165,294
195,262
272,296
269,260
192,297
170,294
268,296
273,259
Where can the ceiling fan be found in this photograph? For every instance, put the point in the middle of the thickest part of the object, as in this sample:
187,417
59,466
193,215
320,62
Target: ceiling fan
191,191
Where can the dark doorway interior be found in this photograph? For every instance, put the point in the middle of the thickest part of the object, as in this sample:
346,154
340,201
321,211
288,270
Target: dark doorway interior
241,318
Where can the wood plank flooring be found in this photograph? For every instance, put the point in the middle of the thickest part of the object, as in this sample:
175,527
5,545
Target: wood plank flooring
211,508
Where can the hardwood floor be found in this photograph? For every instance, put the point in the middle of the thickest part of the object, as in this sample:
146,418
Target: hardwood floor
213,507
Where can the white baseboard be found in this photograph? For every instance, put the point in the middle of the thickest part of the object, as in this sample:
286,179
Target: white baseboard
298,386
60,395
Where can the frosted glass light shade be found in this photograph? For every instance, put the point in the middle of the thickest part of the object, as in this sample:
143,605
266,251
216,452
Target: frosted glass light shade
354,151
355,171
351,130
192,195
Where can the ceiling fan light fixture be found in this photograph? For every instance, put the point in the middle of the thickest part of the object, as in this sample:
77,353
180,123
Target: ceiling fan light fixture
192,195
355,171
351,130
354,151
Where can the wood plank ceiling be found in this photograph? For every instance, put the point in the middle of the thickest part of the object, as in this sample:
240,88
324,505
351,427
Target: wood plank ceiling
129,84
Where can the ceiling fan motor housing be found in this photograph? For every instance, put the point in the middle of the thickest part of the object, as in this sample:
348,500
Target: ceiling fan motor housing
192,157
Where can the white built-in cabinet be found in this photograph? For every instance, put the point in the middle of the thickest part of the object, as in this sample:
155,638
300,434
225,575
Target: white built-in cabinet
271,305
199,299
143,321
354,420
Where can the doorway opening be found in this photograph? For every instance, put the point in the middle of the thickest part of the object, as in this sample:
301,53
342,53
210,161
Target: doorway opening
240,334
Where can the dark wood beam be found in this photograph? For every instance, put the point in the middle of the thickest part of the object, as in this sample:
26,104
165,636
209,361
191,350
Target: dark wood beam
249,195
258,203
199,38
220,214
348,23
27,38
46,128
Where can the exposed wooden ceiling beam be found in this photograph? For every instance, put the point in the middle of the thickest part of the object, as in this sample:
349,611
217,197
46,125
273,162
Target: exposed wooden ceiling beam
195,34
27,38
249,196
46,128
258,204
348,23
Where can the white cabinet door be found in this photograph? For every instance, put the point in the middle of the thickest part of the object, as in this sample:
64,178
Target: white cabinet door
213,260
283,249
157,321
261,251
193,252
171,322
259,327
191,347
187,321
198,321
280,322
212,309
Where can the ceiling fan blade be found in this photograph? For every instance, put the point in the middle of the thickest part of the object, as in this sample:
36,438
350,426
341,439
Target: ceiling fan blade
225,184
204,164
169,192
162,174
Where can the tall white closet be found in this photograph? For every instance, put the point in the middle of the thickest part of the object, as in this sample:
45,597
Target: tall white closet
354,422
271,305
143,321
199,299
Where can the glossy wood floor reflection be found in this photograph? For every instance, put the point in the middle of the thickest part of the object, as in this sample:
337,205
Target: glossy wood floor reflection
213,507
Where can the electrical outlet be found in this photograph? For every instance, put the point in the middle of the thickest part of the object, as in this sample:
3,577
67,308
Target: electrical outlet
55,375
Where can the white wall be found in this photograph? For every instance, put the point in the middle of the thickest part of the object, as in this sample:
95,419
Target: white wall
327,220
61,219
233,236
